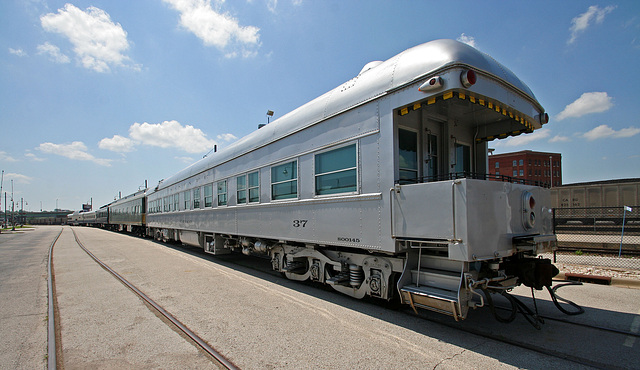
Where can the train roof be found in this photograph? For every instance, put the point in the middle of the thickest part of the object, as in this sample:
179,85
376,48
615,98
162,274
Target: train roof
603,182
374,80
137,194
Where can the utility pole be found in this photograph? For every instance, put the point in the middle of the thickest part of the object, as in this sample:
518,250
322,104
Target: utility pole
13,209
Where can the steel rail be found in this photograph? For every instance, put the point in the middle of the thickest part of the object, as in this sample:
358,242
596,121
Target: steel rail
51,328
193,336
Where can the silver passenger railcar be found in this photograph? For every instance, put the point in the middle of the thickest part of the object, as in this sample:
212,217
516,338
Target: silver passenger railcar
379,187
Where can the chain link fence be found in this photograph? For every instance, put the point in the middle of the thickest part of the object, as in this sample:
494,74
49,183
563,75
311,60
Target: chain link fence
598,236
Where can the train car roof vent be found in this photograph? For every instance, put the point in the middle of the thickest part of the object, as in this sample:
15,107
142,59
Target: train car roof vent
370,65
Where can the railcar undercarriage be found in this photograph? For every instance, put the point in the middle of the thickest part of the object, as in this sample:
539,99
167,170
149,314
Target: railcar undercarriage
420,279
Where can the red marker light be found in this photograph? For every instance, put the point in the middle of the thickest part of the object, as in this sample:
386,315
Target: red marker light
468,78
532,202
433,83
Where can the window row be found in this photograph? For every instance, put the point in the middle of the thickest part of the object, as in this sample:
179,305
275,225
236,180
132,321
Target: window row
335,173
136,210
535,162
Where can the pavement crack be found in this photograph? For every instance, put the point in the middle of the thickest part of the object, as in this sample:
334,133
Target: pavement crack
449,358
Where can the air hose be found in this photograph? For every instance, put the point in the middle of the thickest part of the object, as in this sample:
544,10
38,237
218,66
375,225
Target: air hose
532,317
555,297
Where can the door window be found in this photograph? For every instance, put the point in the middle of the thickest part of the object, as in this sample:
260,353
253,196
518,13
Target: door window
463,159
408,152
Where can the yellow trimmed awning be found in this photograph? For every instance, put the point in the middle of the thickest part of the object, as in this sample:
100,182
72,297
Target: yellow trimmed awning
523,125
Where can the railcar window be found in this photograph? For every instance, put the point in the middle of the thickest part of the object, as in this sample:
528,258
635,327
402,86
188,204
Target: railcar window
222,193
336,171
254,187
187,199
248,188
196,198
408,151
284,181
208,195
241,182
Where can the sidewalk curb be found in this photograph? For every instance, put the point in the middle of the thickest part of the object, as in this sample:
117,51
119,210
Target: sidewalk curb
620,282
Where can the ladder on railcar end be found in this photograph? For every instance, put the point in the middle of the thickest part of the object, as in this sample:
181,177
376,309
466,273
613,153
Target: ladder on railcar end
435,284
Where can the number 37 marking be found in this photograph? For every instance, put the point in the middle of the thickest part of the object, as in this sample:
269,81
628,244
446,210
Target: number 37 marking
300,223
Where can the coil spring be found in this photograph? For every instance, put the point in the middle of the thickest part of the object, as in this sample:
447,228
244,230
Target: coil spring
356,275
296,267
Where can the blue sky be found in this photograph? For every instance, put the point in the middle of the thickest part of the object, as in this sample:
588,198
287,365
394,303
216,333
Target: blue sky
98,96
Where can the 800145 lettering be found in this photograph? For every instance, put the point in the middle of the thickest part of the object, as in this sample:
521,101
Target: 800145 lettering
348,240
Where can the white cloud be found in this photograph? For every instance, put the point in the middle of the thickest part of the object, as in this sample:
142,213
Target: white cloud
272,5
560,139
6,157
33,157
117,143
168,134
524,139
604,131
18,52
171,134
587,103
226,137
76,151
54,53
469,40
580,23
185,160
98,42
215,28
18,178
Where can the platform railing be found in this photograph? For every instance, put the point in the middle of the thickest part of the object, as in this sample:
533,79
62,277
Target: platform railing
472,175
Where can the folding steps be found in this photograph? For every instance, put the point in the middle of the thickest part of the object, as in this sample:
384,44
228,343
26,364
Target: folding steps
434,285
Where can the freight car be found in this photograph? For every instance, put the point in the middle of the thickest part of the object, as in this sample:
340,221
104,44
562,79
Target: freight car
598,201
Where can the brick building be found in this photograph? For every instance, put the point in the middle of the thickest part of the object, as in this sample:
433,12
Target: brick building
535,167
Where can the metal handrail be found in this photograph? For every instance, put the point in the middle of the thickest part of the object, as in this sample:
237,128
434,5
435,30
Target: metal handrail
472,175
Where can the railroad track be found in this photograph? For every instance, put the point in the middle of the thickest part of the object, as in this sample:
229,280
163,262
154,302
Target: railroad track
566,326
629,230
54,332
605,252
481,324
501,335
